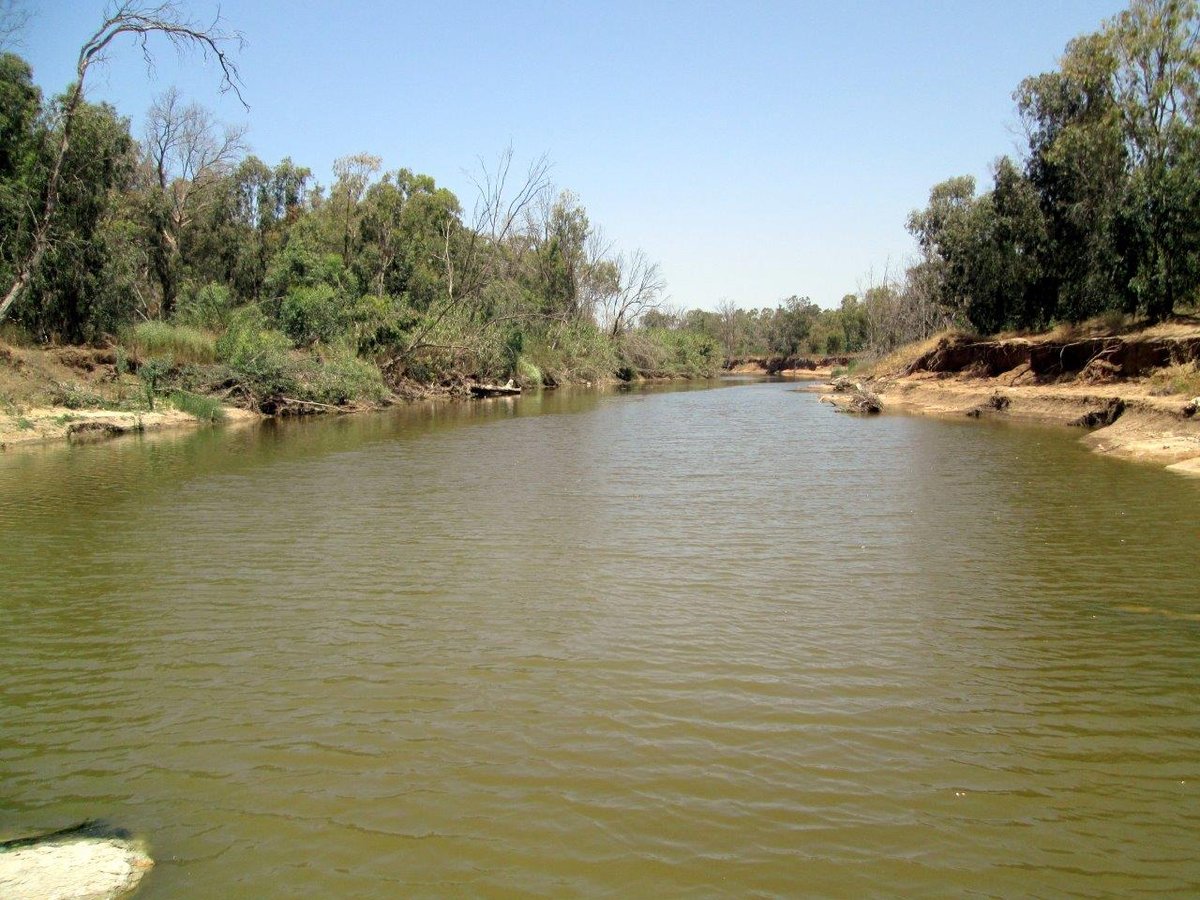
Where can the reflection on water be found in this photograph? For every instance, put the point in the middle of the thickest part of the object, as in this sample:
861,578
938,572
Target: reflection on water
719,642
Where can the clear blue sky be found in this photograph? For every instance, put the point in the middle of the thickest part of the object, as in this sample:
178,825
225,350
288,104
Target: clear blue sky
755,150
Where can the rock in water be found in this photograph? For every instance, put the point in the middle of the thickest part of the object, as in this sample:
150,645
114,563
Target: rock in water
72,869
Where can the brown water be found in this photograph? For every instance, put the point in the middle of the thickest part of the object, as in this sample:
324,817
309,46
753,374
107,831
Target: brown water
693,643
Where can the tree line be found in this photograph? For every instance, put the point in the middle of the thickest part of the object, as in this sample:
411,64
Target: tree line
104,231
1100,216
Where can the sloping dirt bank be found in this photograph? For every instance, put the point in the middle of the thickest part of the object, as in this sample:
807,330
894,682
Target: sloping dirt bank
1132,394
56,423
788,366
76,394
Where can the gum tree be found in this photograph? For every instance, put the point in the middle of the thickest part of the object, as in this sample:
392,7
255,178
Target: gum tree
139,22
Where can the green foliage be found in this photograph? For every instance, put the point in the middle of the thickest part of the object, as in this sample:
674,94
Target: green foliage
73,396
258,354
311,313
528,374
572,351
338,377
669,352
75,294
182,342
208,306
206,409
151,373
379,323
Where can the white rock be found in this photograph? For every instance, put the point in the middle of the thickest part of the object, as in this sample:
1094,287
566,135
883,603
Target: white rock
81,869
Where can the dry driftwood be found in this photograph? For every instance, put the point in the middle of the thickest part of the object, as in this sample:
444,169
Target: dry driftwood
495,390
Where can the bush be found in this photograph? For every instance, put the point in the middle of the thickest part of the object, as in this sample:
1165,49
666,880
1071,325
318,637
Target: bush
578,351
379,323
74,397
151,373
207,307
340,377
311,314
528,374
258,354
181,342
668,352
1183,378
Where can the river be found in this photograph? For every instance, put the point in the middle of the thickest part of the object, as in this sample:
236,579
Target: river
688,643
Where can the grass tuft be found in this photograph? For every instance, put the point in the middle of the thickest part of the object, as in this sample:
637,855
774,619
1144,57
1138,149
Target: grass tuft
206,409
1183,378
182,342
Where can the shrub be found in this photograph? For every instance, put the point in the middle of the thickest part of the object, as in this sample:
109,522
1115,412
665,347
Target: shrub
151,373
209,306
1182,378
74,397
340,377
668,352
379,323
181,342
578,351
313,313
258,354
527,373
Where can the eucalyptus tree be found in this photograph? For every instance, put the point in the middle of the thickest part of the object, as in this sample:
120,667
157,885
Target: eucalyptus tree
478,265
21,138
353,174
1113,155
189,154
13,18
139,22
1155,82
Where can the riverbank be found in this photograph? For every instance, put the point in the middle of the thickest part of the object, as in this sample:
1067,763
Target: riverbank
78,394
1135,393
801,367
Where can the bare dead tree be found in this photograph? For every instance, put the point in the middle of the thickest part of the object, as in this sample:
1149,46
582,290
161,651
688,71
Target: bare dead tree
481,255
727,324
140,22
639,289
188,151
13,19
600,276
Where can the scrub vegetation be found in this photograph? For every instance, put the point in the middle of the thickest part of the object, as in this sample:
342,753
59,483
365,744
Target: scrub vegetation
211,269
208,270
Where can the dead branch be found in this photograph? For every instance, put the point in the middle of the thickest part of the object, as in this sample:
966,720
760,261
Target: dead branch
140,22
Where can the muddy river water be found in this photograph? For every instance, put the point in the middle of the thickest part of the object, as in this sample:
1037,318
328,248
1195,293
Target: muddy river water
719,642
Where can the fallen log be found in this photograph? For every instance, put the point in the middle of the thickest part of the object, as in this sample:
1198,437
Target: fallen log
495,390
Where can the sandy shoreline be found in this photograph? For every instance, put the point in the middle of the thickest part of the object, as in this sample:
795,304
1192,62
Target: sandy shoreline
51,424
1159,430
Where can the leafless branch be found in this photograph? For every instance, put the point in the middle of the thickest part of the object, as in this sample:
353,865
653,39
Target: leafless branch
13,19
140,22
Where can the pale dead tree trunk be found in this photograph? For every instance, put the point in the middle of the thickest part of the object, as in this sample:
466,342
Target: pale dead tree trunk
482,258
639,289
140,22
599,274
353,175
188,154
